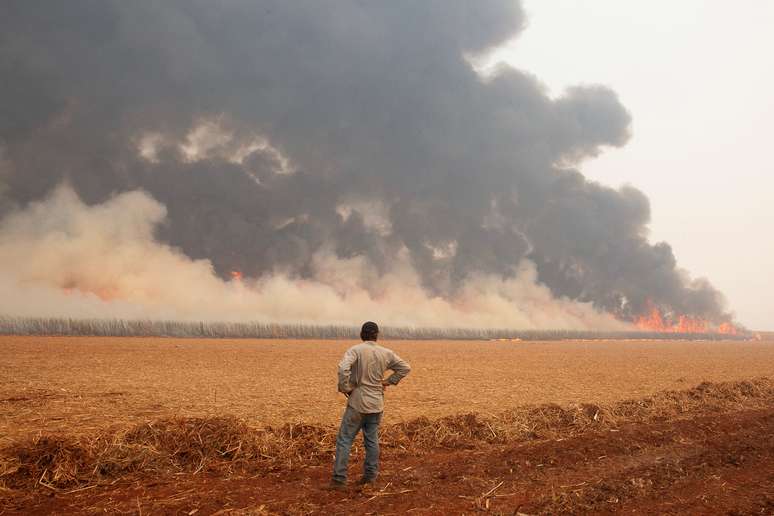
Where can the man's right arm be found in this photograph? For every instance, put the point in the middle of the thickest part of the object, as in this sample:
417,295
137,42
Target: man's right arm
345,371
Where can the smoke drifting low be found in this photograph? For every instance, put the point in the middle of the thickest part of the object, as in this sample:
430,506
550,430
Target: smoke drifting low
346,158
73,260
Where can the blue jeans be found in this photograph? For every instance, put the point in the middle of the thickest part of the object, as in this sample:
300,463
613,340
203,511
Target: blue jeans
351,423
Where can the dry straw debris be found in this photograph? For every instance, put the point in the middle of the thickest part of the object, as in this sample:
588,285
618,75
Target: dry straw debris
229,446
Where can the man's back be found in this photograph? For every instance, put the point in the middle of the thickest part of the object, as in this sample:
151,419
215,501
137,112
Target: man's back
361,373
361,378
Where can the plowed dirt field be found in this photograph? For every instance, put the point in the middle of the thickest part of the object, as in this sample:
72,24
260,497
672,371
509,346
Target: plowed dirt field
549,429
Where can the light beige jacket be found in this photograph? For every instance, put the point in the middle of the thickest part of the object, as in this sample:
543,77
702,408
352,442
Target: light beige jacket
361,372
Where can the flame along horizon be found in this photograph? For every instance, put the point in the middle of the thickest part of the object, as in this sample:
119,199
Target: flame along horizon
657,322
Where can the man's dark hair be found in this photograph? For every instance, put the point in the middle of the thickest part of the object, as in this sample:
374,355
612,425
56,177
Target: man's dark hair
369,331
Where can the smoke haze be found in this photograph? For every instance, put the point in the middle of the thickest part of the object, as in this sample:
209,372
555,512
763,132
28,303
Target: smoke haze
75,260
346,158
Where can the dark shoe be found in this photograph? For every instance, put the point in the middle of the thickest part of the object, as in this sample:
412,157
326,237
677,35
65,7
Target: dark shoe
366,481
336,485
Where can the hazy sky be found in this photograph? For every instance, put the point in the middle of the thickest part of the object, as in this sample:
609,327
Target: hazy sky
698,78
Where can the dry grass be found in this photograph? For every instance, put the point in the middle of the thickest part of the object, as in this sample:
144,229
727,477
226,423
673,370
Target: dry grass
550,420
216,444
228,445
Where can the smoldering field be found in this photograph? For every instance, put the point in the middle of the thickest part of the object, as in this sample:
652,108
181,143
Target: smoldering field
82,385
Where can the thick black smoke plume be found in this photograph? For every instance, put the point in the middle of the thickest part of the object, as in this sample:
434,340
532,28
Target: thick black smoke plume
273,129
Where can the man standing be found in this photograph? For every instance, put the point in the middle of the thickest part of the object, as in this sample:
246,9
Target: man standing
361,379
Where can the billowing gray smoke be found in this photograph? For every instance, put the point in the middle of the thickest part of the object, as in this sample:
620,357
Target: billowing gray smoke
273,129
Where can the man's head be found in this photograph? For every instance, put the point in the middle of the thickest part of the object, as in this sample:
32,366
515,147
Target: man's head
369,331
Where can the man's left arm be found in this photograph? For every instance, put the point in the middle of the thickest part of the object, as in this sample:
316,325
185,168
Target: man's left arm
400,369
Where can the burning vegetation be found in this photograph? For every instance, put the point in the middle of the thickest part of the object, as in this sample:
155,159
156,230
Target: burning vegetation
655,321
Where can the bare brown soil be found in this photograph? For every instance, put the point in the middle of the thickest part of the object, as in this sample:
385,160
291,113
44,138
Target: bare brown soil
78,385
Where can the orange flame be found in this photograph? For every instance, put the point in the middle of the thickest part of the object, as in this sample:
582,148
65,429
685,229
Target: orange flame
727,329
105,293
236,275
652,322
655,321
